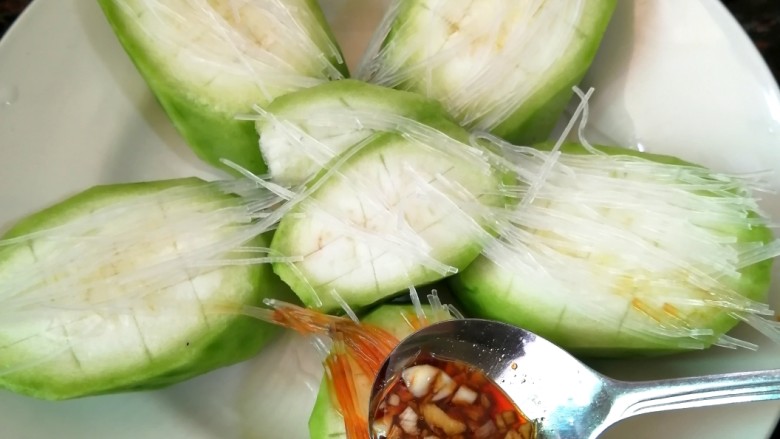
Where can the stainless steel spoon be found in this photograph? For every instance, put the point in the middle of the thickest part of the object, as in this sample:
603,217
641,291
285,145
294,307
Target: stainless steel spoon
564,397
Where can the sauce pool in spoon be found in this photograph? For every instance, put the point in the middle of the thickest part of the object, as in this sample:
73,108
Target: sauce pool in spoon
440,398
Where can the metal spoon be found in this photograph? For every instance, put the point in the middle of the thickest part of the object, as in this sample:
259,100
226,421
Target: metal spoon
564,397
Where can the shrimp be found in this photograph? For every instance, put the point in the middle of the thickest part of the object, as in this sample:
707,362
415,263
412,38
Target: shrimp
357,352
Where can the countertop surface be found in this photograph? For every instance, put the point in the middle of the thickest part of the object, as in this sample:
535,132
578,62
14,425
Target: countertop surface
759,18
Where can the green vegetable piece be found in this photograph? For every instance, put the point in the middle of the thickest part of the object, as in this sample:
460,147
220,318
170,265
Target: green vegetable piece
397,210
131,287
209,61
332,117
503,66
325,420
621,252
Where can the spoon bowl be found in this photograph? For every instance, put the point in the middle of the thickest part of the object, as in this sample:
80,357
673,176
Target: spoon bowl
565,398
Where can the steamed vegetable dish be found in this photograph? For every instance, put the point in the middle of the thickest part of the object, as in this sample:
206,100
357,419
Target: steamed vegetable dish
436,166
117,288
209,62
458,52
302,131
378,217
624,252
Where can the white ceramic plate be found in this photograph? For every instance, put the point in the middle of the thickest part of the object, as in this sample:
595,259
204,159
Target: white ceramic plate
673,76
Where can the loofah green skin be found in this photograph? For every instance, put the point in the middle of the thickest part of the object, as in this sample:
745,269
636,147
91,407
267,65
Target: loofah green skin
486,290
174,345
290,164
413,55
204,110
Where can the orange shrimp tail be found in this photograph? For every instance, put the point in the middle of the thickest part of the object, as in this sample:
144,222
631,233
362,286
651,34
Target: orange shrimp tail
357,353
368,345
302,320
350,391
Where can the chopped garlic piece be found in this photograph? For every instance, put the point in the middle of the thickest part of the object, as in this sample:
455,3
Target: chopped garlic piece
418,379
408,420
436,417
464,395
443,386
394,399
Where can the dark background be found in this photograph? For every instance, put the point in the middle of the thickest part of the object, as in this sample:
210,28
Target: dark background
759,18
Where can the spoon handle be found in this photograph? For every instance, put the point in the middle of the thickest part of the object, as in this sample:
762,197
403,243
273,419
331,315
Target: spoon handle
654,396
